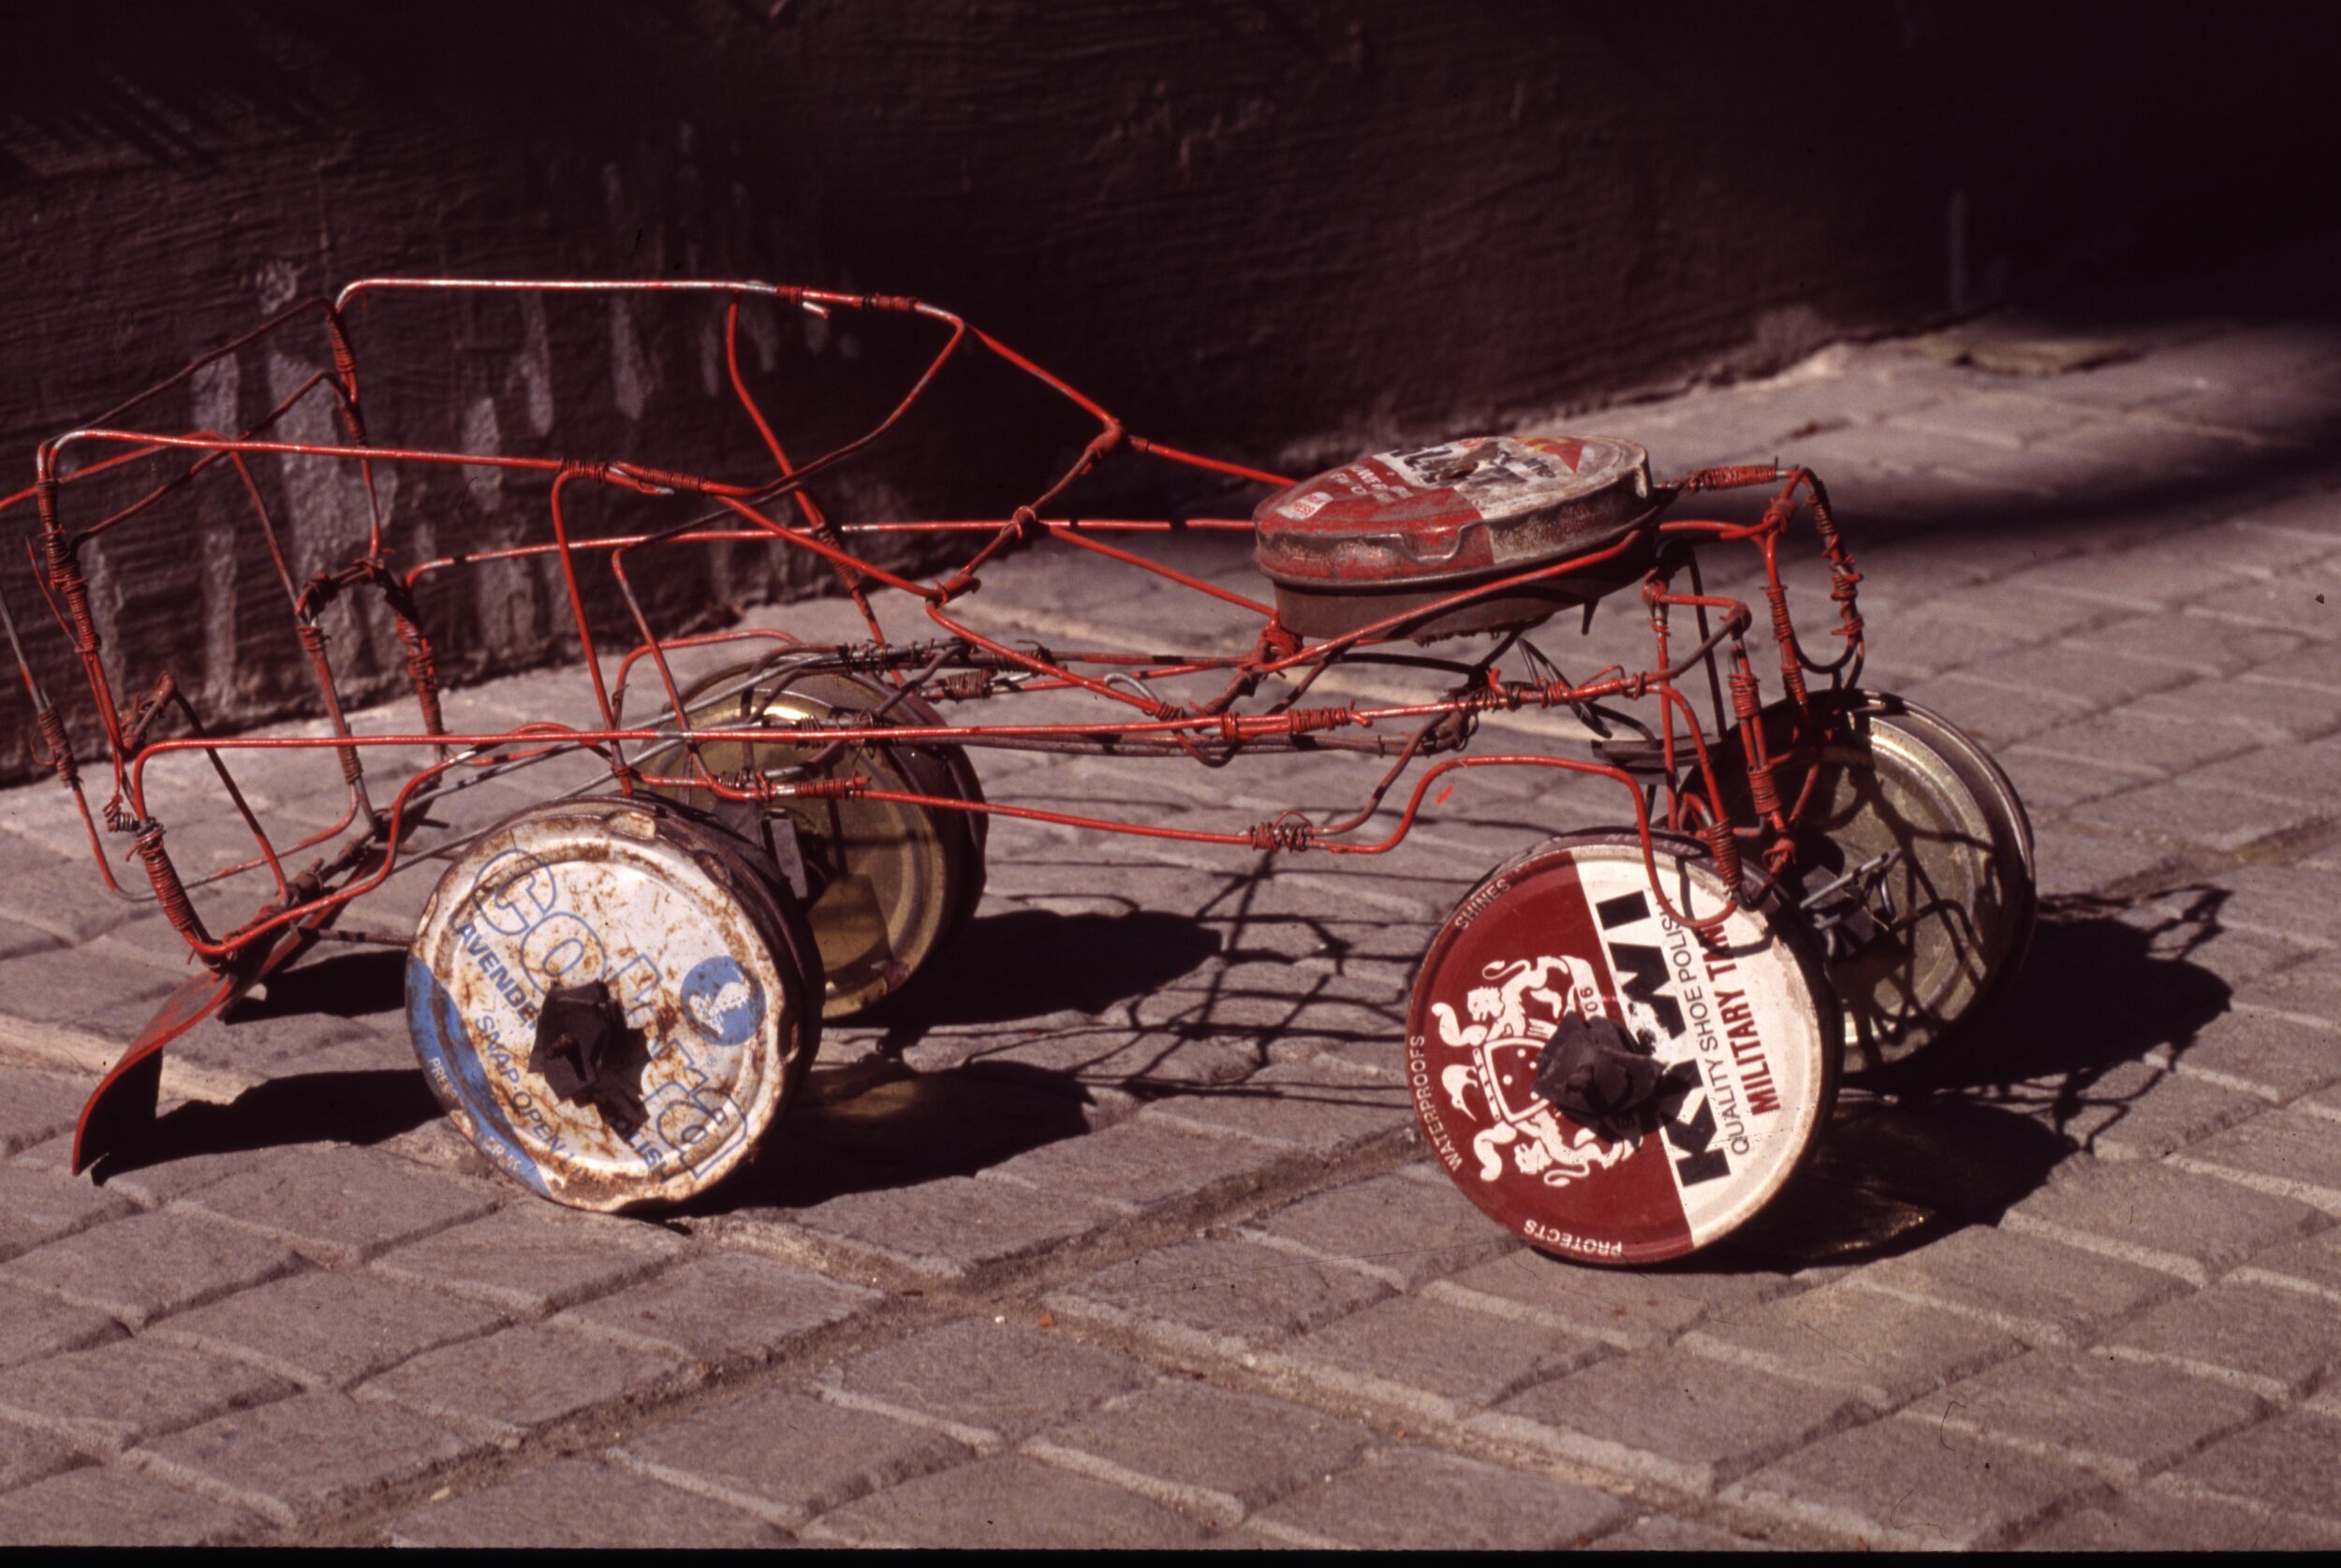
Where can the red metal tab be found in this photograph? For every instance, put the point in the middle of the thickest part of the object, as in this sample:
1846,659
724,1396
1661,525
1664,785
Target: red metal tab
121,1109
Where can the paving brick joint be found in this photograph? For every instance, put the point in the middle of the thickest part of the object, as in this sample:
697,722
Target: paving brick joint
1132,1244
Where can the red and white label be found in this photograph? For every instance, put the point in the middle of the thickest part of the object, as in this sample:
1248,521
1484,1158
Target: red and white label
1578,931
1495,477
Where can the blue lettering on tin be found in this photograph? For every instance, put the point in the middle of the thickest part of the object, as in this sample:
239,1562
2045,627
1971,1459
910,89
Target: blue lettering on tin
454,1067
513,891
492,967
689,1116
561,949
697,1126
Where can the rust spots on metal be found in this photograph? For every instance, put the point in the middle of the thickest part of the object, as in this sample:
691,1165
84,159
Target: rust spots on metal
1401,529
703,979
696,927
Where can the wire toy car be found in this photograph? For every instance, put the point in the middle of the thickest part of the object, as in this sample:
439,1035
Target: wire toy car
1621,1044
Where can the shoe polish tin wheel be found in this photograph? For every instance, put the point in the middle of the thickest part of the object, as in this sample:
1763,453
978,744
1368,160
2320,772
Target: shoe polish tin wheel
611,1004
891,881
1907,797
1563,950
2018,869
1993,786
958,779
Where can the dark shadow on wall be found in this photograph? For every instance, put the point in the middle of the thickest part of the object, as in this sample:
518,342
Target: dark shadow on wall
1527,179
166,84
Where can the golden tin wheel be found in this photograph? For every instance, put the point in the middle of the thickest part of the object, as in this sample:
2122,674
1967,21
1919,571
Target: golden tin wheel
1994,788
1916,861
889,883
612,1003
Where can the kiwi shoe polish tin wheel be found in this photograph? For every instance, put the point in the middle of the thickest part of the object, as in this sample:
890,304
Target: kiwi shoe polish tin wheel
1599,1080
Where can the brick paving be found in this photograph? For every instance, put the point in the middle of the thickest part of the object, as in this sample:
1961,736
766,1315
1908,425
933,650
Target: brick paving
1122,1236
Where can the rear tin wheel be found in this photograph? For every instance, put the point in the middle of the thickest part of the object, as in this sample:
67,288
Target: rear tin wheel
892,882
1905,788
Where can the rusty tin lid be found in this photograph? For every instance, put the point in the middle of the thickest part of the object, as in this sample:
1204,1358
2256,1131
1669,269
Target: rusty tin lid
713,1018
1568,933
1465,509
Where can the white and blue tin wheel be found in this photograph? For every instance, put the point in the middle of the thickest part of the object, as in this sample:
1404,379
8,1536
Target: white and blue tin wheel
613,1002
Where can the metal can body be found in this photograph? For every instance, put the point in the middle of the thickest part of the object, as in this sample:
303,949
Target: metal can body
891,883
713,1025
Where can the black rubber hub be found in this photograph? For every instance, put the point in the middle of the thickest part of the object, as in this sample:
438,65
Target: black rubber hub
584,1052
1598,1076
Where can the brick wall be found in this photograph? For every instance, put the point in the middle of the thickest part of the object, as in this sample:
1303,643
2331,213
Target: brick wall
1278,231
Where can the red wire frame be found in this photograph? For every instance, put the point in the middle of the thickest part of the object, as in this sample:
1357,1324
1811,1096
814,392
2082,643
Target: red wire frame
1695,797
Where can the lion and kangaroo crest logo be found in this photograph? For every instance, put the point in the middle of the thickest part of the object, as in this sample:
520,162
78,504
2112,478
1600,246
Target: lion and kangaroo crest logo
1515,1014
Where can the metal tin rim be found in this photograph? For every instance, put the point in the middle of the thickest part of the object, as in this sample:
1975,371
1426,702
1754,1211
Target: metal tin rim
2012,836
967,785
1455,581
2000,794
1314,609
